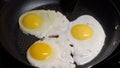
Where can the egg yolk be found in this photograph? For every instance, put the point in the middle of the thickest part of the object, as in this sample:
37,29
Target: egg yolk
81,32
32,21
40,51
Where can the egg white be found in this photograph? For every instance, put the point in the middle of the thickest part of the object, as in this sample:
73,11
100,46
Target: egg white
59,27
85,51
60,57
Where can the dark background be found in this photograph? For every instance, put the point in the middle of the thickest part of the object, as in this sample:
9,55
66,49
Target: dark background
7,61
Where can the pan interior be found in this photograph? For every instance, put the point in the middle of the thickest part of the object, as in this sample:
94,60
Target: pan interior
20,41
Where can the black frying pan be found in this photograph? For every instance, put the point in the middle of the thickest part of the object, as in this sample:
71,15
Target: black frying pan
16,42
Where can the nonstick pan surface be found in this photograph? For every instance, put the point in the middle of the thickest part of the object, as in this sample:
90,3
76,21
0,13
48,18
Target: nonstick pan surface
17,43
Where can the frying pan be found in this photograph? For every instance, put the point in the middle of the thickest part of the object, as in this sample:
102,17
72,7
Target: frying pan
17,43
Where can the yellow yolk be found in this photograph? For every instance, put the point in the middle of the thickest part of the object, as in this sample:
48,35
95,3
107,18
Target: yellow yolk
81,32
32,21
40,51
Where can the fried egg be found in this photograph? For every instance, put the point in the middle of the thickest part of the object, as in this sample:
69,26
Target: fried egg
37,22
50,54
87,37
